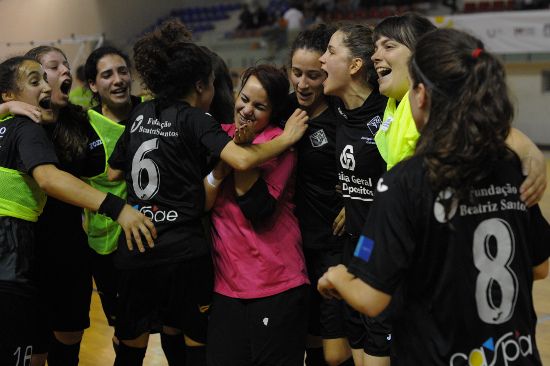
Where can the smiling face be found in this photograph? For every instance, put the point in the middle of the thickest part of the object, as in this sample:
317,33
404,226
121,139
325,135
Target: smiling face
307,78
59,77
336,62
33,89
253,106
391,60
112,82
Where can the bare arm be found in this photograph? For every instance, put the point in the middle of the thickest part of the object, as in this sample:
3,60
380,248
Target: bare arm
212,184
540,272
338,282
71,190
20,108
533,165
244,180
250,156
114,174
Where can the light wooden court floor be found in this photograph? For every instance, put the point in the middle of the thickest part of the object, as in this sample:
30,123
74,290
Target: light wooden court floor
97,350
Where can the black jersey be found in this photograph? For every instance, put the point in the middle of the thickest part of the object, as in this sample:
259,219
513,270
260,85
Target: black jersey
358,160
23,146
463,280
317,201
164,156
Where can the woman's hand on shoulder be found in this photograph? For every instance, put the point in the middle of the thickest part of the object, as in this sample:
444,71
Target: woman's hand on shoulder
22,109
533,187
296,126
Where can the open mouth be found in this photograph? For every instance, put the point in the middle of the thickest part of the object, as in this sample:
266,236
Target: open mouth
383,71
119,91
66,86
45,103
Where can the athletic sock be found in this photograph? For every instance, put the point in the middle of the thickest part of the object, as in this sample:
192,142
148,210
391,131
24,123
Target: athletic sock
129,356
174,348
61,354
315,357
195,356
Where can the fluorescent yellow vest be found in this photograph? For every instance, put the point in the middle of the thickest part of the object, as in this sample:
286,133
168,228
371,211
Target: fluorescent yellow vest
102,231
20,195
397,136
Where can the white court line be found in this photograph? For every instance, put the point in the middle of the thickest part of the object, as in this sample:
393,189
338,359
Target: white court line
543,319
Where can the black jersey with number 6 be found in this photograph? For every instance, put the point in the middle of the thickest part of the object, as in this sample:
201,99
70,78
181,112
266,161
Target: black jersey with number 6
164,156
461,280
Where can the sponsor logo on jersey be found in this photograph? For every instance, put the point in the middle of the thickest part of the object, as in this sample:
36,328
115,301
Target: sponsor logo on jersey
2,131
203,308
364,248
318,138
157,215
381,187
92,145
441,201
137,123
339,109
384,126
347,159
508,348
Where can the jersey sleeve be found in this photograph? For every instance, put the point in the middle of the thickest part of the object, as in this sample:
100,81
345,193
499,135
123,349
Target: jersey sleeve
208,132
540,236
385,248
35,148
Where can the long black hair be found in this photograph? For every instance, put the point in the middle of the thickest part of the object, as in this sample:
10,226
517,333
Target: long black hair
70,134
470,110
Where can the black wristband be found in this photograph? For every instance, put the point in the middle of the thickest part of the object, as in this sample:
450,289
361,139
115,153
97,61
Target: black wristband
111,206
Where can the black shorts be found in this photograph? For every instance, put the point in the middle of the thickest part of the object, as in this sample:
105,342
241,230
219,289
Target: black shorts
176,295
18,318
64,285
106,280
65,281
378,334
326,318
265,331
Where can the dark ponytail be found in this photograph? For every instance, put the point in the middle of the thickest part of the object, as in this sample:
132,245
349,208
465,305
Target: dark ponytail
470,111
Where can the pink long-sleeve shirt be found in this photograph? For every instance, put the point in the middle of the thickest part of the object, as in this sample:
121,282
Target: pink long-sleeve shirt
267,258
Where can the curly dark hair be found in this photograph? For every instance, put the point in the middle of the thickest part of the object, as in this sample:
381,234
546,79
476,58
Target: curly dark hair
276,84
470,110
315,39
169,63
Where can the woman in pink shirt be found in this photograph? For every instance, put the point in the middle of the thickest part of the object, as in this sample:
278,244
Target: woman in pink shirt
259,309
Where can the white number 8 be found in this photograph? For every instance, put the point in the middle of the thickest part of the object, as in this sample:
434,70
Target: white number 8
140,163
494,269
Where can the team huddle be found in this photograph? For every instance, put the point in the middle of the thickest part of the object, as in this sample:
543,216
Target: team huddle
378,214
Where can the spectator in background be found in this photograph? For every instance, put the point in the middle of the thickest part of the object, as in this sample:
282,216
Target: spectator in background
81,94
245,19
294,19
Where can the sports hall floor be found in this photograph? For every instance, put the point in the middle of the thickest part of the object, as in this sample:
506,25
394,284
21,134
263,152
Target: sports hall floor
97,350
